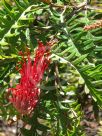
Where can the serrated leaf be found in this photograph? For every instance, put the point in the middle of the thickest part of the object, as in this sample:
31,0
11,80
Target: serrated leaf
80,59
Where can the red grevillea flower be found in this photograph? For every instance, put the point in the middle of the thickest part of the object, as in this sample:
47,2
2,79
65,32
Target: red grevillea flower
25,95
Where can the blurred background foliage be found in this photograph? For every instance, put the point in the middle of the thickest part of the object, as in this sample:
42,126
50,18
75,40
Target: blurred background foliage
72,85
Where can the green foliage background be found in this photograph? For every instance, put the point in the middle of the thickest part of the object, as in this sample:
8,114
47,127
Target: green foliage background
76,60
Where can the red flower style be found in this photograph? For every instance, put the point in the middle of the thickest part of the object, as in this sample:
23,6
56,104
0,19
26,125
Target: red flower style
25,95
